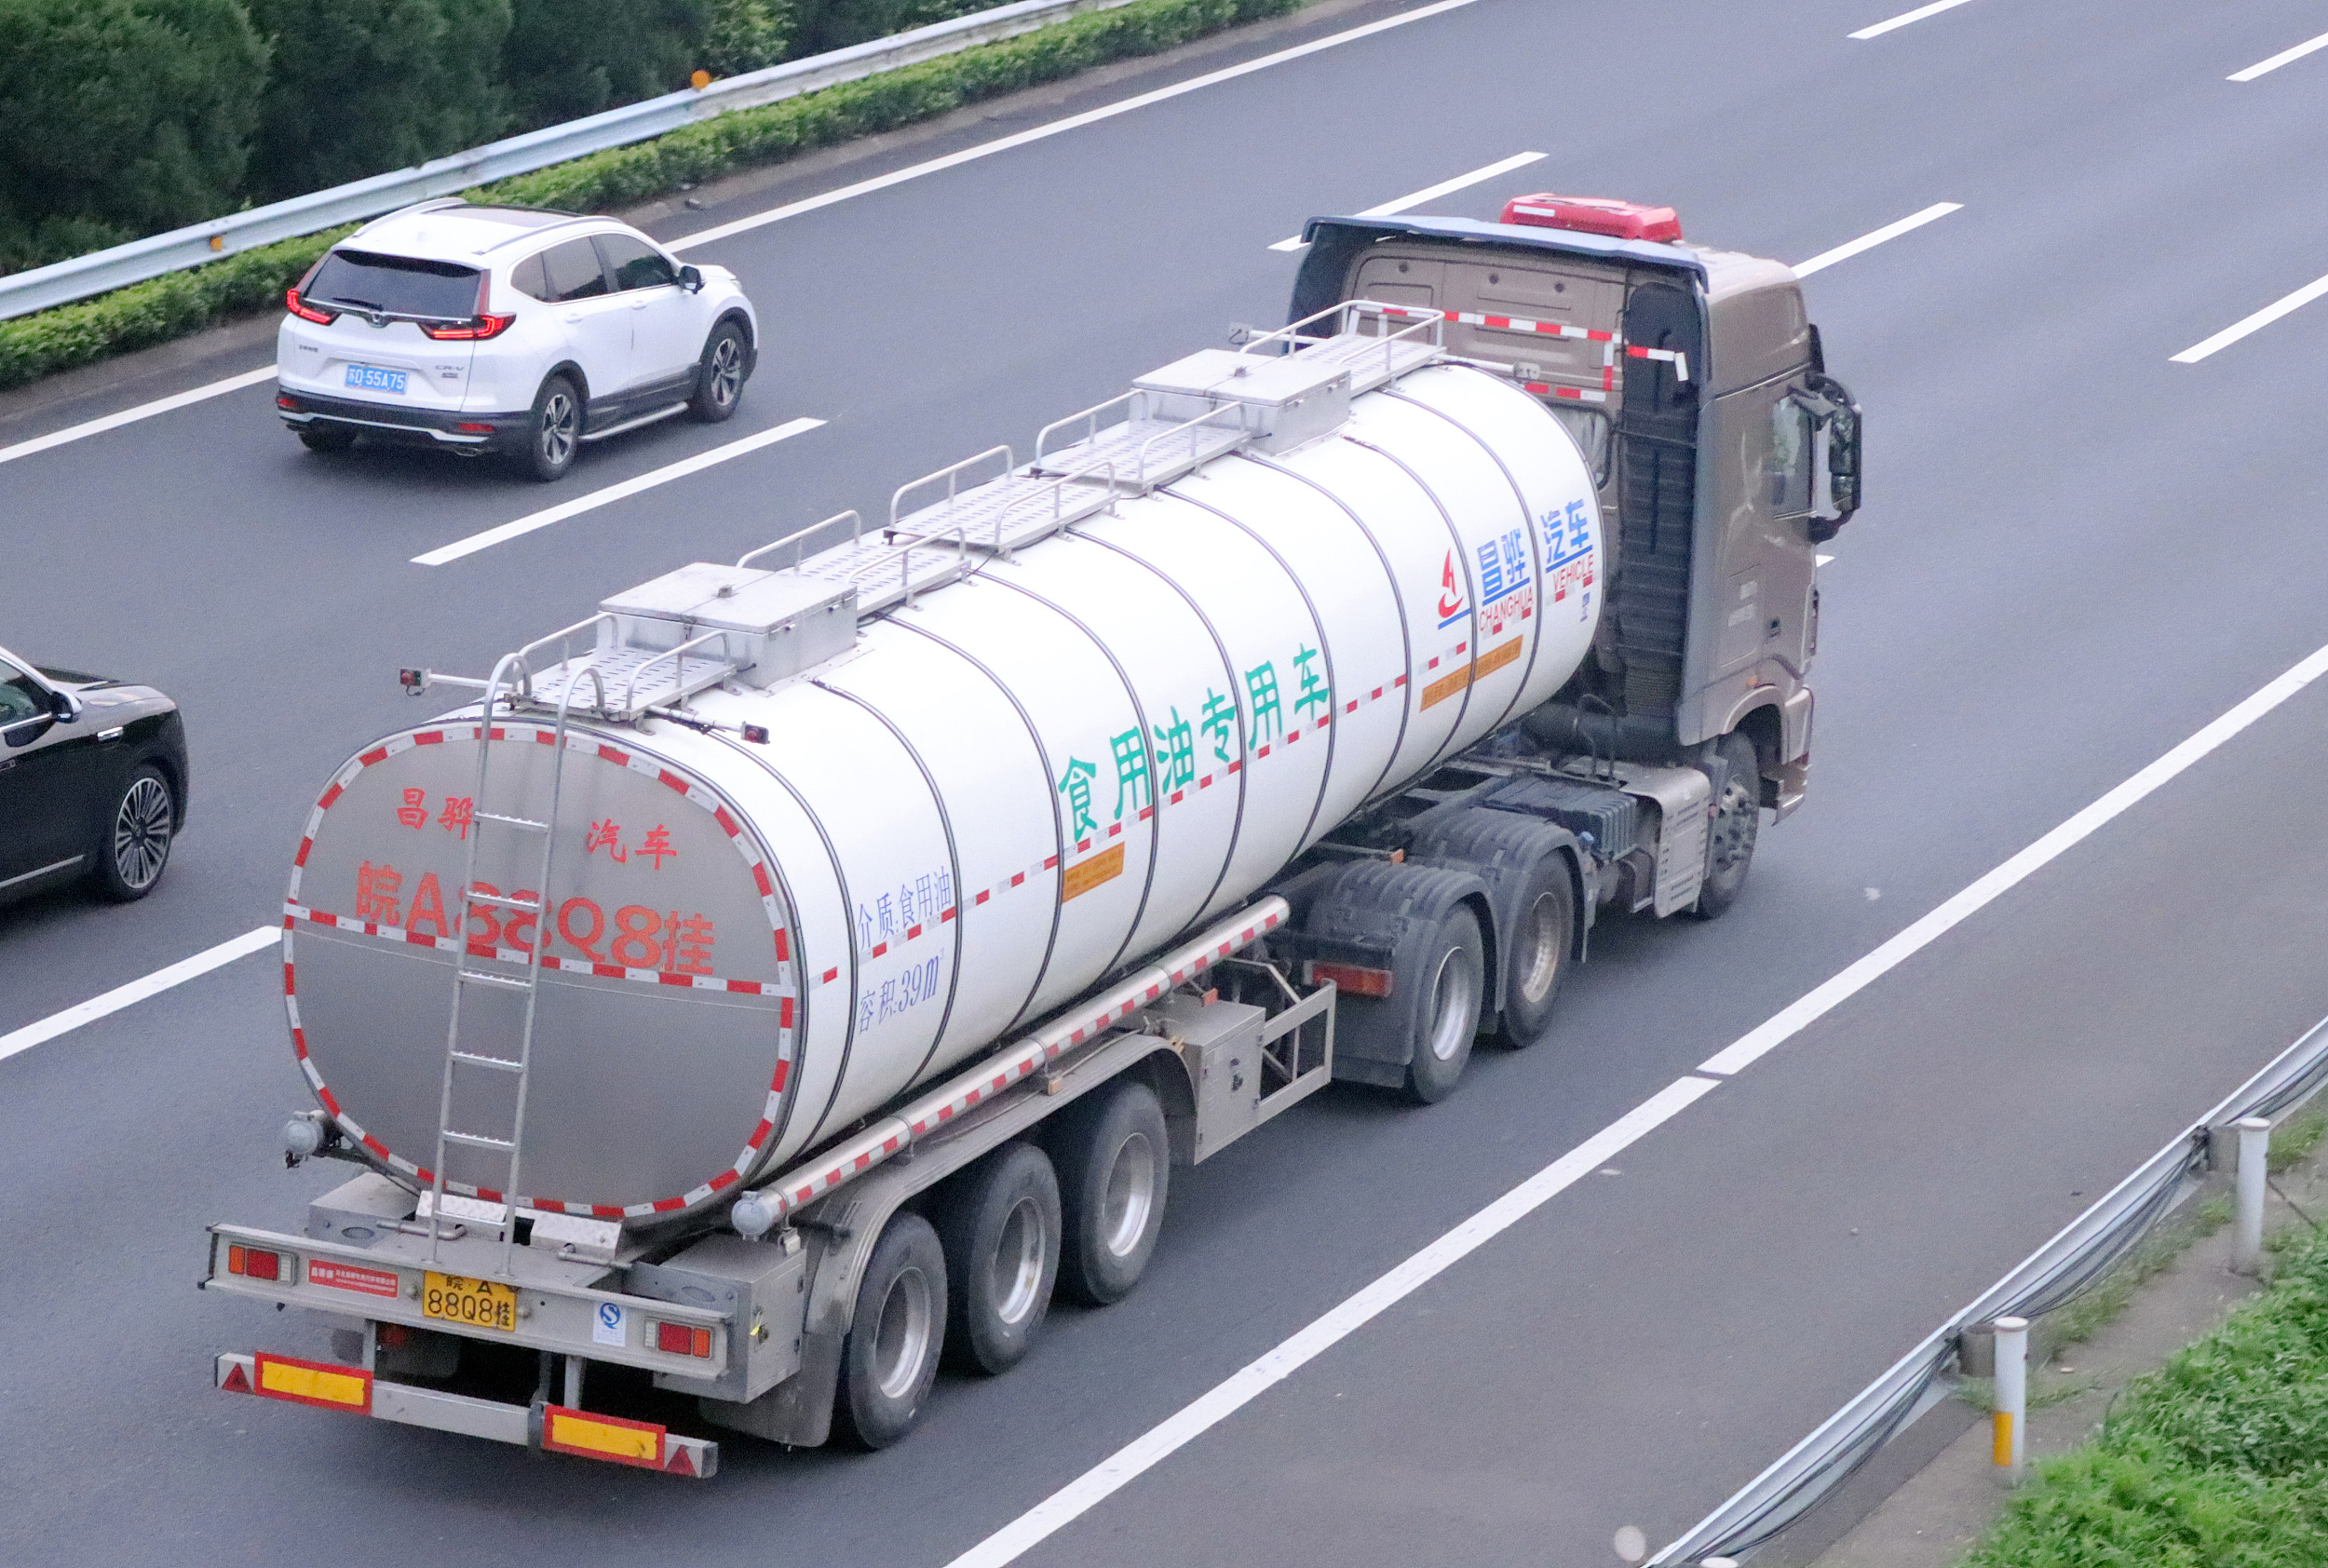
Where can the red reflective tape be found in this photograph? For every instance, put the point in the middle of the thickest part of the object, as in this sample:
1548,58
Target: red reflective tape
491,1195
913,933
429,738
672,780
331,1101
783,950
299,1044
1353,707
1175,800
750,988
879,950
1002,1082
378,753
610,971
982,896
1399,681
376,1145
541,737
666,1204
760,877
724,1179
329,796
1235,767
760,1133
1116,828
304,846
1262,752
783,1070
618,758
864,1162
287,989
831,975
719,815
607,1210
784,1016
669,978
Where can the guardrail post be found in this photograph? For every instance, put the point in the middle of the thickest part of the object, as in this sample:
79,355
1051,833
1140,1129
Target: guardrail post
2247,1254
2012,1396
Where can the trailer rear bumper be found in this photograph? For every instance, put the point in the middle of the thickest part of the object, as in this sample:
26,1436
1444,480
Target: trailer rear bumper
555,1428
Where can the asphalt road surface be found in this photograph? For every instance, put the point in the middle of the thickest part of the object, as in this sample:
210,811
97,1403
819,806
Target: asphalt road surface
2075,553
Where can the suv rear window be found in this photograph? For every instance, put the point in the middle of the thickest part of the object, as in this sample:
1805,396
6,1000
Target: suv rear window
396,285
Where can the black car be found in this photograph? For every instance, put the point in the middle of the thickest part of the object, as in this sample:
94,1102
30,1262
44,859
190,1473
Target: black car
92,781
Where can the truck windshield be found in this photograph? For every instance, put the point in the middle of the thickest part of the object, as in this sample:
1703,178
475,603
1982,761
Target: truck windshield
396,285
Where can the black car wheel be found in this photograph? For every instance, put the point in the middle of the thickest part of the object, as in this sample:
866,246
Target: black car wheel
719,384
554,433
138,834
326,437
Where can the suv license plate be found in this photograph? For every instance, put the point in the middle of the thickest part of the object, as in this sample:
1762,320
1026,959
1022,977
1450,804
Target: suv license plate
476,1303
373,378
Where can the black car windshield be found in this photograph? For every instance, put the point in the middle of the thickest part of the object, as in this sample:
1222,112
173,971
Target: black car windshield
395,285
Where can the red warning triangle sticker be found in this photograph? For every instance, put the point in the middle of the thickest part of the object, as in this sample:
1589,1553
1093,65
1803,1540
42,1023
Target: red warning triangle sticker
679,1464
237,1382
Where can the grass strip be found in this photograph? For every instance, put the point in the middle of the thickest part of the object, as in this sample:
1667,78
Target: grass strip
172,306
2219,1459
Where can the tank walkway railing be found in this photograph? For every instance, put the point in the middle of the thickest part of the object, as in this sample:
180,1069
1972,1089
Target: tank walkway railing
2073,1263
1375,358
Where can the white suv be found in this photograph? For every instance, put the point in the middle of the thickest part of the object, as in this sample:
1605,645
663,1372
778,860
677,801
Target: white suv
507,329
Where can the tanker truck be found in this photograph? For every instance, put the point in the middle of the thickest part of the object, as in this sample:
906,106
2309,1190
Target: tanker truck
783,982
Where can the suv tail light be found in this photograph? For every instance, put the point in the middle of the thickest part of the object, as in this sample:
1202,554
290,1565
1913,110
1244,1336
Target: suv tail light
485,324
1619,220
306,312
257,1262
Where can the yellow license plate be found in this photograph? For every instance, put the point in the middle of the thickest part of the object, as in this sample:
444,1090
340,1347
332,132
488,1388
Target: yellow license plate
476,1303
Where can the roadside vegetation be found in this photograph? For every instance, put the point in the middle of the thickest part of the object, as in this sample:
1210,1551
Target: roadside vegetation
167,307
2217,1460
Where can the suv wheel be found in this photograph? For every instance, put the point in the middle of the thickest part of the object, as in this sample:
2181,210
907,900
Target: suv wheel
554,434
720,382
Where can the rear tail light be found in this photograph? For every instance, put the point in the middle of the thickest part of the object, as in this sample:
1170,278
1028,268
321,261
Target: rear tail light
306,312
1604,215
1351,979
470,429
470,331
678,1339
257,1262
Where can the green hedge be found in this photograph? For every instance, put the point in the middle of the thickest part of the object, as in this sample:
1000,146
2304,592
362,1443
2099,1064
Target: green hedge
145,314
2217,1460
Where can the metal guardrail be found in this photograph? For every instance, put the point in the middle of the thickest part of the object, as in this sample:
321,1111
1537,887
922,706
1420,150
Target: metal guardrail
62,282
2059,1272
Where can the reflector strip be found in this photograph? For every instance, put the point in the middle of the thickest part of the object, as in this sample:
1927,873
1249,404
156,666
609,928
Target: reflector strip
602,1436
312,1382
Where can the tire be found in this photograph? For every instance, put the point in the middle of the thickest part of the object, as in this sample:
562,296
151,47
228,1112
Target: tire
1541,941
1736,776
1453,972
326,437
553,433
890,1357
139,832
1115,1170
725,366
1000,1228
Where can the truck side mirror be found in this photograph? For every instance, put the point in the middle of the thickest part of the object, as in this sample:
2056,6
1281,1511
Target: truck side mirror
1838,416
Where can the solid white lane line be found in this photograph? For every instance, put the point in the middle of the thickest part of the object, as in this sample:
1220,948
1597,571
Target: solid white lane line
1869,241
137,991
2278,60
1074,122
612,494
1906,16
1432,192
2263,317
130,416
1135,1458
1824,998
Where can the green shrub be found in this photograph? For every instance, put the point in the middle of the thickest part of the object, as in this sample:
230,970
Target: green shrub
836,24
567,59
743,35
362,87
2217,1460
167,307
120,118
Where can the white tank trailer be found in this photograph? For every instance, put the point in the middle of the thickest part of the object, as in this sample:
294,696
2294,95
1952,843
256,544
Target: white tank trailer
802,967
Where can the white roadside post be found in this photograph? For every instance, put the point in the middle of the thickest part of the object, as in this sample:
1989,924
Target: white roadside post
2013,1396
2247,1254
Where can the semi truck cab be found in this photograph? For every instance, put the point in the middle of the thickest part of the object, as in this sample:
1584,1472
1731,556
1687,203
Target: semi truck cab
1693,382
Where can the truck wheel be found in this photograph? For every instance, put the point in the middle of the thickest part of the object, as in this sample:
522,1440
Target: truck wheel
136,846
1000,1229
1540,945
1116,1167
1451,972
890,1357
1737,818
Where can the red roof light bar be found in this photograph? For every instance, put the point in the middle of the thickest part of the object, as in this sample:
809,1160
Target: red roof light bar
1604,215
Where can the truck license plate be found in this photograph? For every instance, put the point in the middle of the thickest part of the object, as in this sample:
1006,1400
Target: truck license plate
372,378
477,1303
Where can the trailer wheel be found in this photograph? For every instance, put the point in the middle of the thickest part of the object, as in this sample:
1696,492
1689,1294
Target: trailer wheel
1115,1167
1451,970
1537,963
890,1357
1000,1228
1736,819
